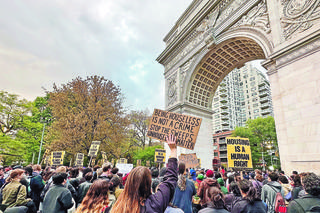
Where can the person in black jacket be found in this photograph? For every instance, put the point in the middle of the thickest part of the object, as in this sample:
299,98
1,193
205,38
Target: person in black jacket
250,203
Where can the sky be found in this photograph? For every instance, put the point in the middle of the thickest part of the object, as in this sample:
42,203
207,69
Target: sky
44,42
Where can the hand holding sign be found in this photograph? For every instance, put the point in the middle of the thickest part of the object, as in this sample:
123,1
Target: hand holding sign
171,141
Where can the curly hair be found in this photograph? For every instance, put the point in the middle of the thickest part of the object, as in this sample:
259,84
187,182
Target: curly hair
311,183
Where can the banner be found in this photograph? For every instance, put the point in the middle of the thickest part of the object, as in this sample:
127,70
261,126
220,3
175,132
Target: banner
57,158
124,168
239,153
184,127
190,160
79,160
160,156
94,148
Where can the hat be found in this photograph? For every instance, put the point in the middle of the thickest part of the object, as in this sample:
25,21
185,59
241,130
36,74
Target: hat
209,173
200,177
220,181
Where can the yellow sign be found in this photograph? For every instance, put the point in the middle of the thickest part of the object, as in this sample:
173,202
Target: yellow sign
138,162
79,160
160,156
147,163
104,157
57,158
94,148
239,153
122,161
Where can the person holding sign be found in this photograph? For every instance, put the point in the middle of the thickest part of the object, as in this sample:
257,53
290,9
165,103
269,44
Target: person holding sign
137,196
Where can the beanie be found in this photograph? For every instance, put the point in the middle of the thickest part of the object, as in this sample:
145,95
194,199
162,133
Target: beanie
209,173
200,177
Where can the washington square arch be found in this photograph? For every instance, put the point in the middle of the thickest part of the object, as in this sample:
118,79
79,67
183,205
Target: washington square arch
212,37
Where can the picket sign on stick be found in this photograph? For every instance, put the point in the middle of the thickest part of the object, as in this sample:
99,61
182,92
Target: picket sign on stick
184,127
239,153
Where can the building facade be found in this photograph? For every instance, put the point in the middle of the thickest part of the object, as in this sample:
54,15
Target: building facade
243,94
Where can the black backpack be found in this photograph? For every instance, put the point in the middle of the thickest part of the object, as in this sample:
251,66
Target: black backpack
309,204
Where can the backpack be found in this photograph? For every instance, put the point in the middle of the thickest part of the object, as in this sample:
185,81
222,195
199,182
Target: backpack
306,205
279,203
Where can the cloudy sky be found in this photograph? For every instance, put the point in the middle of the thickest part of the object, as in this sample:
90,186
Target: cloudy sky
44,42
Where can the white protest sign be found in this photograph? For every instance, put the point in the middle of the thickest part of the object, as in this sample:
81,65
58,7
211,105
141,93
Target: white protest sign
124,168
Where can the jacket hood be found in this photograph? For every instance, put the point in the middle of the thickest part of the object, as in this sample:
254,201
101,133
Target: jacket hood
220,181
275,184
211,182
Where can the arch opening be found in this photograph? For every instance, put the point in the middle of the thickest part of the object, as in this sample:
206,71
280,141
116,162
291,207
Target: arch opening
216,64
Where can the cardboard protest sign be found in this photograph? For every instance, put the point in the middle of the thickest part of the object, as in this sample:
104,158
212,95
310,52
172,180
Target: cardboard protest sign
104,157
239,153
138,162
147,163
124,168
184,127
160,155
94,148
79,160
57,158
190,160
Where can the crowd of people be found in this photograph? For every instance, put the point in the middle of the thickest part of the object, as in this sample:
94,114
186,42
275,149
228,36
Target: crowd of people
174,188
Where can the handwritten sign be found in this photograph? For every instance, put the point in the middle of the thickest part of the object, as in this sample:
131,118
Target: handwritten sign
184,127
138,162
160,155
190,160
147,163
57,158
104,157
94,148
79,160
122,161
239,153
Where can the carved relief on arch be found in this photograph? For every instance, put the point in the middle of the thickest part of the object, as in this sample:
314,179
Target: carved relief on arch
298,16
172,89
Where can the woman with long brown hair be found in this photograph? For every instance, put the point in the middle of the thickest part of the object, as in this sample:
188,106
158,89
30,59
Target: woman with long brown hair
96,199
137,196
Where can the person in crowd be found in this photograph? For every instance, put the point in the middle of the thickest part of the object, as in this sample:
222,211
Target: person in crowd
84,172
115,186
297,187
193,175
269,191
223,188
2,179
285,186
199,180
310,202
74,180
205,184
58,199
14,193
84,187
222,171
184,191
155,179
97,198
250,203
95,174
233,197
106,171
137,196
36,185
294,173
257,184
229,181
215,201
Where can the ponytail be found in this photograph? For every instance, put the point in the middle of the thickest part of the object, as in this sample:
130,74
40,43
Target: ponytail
247,188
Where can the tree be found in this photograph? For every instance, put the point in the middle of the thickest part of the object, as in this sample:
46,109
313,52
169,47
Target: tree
262,135
146,154
86,110
139,122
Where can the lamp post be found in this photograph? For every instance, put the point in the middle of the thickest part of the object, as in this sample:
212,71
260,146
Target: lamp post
44,126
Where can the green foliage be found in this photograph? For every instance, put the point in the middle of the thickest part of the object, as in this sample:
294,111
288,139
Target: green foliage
145,154
262,135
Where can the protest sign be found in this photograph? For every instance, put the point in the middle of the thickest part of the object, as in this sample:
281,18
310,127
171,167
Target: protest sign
138,162
122,161
160,155
147,163
57,158
104,157
190,160
79,160
239,153
94,148
124,168
184,127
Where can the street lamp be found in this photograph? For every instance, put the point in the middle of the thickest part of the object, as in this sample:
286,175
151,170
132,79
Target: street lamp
44,126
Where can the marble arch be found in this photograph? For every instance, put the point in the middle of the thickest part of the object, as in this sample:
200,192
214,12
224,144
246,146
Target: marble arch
214,36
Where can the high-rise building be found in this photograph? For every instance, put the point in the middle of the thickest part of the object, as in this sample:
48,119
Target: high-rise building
243,94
